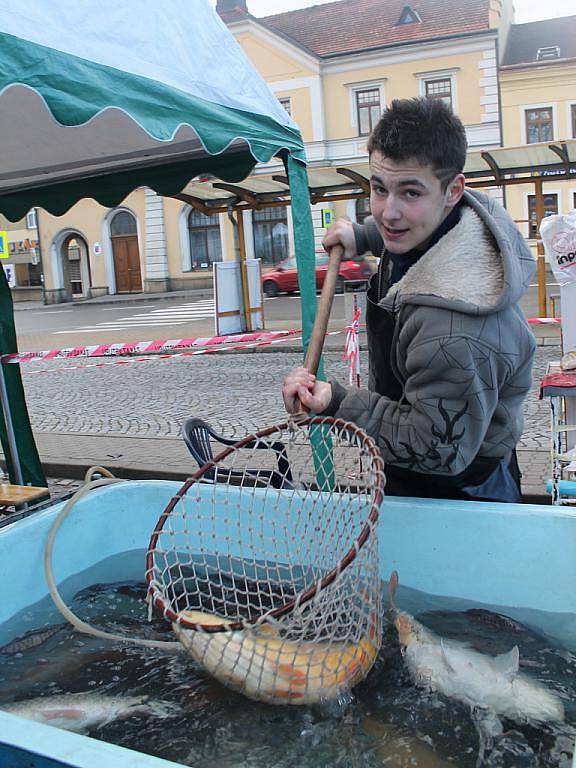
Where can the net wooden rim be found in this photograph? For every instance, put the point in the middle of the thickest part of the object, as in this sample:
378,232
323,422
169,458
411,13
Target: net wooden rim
155,595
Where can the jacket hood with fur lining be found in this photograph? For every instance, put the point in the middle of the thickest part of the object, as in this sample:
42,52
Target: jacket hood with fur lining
480,266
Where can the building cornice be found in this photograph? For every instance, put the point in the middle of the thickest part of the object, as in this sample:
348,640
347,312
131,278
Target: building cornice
421,49
538,65
438,40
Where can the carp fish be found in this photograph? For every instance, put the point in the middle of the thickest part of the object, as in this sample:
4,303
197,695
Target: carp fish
261,664
452,668
82,712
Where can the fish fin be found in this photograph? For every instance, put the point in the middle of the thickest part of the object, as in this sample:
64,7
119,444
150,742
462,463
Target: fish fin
201,617
63,714
278,693
489,728
446,656
265,628
507,663
291,673
161,709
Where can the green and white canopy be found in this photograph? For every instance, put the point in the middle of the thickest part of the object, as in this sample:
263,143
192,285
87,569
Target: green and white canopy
100,97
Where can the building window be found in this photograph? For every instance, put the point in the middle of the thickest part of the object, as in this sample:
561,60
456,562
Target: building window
286,103
548,52
367,110
550,208
409,16
34,274
362,209
573,109
539,125
31,219
74,266
123,224
440,88
205,243
271,234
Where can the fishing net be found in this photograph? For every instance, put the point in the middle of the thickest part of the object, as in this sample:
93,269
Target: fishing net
266,562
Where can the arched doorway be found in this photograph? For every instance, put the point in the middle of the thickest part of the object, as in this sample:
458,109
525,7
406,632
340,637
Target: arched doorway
123,233
75,265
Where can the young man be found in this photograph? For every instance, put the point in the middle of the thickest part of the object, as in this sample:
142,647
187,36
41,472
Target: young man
450,351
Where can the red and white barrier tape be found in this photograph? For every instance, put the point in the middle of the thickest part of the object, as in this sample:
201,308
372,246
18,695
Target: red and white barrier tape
352,349
209,344
142,347
191,353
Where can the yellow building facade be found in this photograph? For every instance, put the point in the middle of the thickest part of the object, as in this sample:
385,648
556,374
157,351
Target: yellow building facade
21,260
538,92
334,79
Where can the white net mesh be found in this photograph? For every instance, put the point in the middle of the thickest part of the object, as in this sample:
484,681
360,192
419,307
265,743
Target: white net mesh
270,578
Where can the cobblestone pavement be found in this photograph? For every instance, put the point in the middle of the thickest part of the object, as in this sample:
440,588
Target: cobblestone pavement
537,412
236,393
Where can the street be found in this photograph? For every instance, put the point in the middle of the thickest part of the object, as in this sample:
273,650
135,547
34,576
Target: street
62,325
66,325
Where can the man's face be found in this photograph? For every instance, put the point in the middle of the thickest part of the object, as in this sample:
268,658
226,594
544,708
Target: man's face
407,201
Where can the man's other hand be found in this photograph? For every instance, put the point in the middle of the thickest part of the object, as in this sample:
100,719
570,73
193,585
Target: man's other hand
301,388
341,233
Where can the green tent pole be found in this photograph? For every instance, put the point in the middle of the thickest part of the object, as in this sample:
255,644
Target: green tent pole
18,444
9,427
304,246
304,242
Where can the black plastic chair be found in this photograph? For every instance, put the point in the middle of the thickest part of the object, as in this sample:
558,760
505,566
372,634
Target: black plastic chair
197,434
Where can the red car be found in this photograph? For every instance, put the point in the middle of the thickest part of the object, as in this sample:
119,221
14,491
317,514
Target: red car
284,277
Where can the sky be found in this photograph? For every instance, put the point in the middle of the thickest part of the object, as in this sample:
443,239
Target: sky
526,10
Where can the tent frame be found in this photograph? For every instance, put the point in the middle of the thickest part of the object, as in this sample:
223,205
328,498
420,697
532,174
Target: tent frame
494,171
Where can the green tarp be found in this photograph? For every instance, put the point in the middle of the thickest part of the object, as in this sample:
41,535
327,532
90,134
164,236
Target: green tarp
28,455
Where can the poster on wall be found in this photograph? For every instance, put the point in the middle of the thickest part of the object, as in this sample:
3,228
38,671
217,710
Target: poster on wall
10,273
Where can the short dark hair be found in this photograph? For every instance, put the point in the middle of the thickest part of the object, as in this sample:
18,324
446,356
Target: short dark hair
425,130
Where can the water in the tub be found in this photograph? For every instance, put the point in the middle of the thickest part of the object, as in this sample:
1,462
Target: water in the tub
160,702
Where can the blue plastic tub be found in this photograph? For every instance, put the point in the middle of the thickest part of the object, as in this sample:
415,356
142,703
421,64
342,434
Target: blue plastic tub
519,559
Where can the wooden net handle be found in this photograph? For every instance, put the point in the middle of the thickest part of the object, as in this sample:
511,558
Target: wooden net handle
314,351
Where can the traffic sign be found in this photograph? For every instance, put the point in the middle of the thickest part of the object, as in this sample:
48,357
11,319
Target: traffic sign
4,245
327,217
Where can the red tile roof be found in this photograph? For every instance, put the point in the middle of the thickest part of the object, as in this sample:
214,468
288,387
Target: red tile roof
354,25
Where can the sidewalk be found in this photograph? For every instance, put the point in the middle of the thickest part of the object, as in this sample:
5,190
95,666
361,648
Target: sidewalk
70,456
120,298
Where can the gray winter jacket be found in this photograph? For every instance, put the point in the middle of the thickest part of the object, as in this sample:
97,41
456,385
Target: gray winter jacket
462,349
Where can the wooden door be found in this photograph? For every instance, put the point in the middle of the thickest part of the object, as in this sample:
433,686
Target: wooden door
127,264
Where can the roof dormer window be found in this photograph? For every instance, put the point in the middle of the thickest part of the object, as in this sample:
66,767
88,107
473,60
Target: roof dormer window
548,52
409,16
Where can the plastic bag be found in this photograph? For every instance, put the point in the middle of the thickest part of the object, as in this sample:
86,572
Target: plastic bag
559,237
